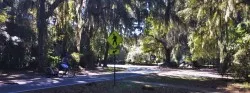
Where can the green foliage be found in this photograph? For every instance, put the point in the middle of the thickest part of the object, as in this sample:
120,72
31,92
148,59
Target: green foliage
188,59
202,46
150,45
76,56
138,59
241,64
155,27
241,28
217,29
242,33
98,43
136,55
3,17
155,31
53,60
16,46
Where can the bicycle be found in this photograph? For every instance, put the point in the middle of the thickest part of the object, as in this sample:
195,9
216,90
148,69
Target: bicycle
58,71
51,71
68,73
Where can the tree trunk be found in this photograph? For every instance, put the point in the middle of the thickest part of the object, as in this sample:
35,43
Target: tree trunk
222,42
86,59
167,50
106,55
64,43
43,32
223,61
167,54
42,35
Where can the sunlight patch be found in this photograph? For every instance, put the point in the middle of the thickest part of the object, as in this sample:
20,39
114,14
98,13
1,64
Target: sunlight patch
81,81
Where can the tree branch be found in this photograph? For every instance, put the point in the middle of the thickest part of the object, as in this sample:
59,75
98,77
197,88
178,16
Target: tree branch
52,7
159,40
6,3
2,6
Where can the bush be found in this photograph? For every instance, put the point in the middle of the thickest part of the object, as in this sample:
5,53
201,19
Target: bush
241,68
76,56
53,60
138,58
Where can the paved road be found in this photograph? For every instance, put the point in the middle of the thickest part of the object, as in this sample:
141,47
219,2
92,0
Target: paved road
132,70
43,83
141,69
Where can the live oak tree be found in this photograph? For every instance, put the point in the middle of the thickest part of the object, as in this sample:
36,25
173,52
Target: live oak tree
42,25
196,30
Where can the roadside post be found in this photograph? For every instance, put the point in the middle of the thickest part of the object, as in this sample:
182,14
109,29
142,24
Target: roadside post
114,40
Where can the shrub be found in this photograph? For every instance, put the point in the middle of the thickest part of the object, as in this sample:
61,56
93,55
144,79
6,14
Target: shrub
53,60
241,68
76,56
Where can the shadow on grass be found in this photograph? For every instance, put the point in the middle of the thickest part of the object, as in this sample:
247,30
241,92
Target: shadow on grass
107,87
220,84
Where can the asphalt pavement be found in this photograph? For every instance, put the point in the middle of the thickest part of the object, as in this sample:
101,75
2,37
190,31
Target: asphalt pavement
37,83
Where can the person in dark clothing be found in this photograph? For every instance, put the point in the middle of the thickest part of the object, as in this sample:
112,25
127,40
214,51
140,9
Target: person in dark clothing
65,63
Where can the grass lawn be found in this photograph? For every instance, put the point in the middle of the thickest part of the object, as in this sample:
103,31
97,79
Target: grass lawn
210,84
191,82
107,87
123,86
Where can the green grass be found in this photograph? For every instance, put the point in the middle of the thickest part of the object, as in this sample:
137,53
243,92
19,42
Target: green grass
126,86
107,87
227,85
191,82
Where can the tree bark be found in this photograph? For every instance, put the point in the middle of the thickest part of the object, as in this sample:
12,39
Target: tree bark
167,49
86,60
106,55
223,48
52,7
168,54
43,32
42,35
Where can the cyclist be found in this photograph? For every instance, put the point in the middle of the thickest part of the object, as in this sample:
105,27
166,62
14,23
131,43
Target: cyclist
65,63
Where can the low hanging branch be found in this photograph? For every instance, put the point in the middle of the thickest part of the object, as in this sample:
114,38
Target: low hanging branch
6,3
159,40
52,7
